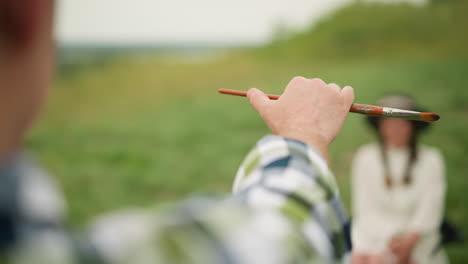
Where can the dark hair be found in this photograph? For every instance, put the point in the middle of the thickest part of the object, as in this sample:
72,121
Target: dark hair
417,128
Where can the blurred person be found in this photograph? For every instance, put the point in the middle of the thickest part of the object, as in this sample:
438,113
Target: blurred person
398,189
285,206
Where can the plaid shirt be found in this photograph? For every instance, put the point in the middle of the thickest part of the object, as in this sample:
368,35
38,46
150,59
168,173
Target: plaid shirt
285,208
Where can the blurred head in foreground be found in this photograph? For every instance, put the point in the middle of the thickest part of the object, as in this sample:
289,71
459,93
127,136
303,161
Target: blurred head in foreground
26,60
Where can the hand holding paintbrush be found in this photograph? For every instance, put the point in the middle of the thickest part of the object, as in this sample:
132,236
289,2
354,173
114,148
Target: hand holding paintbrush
309,111
313,112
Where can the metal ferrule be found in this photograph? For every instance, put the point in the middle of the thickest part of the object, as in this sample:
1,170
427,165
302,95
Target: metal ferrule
393,112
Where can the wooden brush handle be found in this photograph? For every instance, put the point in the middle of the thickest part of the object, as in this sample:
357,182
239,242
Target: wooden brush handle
355,108
366,109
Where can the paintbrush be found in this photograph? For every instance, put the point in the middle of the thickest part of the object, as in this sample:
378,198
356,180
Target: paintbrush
366,109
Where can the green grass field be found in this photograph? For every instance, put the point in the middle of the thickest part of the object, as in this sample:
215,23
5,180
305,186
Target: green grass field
167,134
141,130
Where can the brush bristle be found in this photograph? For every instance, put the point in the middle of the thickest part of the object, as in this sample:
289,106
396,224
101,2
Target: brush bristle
429,117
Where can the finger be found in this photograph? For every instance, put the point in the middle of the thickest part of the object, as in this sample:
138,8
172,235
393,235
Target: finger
258,100
348,95
295,83
357,258
335,87
317,82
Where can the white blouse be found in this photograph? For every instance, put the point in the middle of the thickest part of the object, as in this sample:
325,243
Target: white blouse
380,214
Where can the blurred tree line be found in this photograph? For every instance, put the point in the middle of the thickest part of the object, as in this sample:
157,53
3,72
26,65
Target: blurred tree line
380,30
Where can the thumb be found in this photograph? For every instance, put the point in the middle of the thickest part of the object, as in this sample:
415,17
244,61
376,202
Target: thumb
258,100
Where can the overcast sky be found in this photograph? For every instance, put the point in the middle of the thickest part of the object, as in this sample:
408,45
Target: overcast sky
153,21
